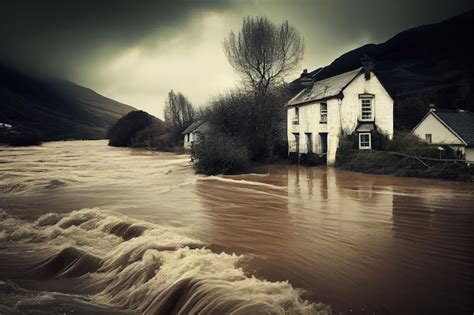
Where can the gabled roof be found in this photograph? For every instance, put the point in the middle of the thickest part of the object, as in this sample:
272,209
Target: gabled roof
462,123
324,89
197,126
203,128
192,127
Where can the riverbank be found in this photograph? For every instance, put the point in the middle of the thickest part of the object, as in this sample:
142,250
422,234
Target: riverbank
391,163
405,155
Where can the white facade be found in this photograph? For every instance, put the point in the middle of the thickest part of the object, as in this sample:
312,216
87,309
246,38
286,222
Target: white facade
189,139
469,154
193,133
344,115
433,130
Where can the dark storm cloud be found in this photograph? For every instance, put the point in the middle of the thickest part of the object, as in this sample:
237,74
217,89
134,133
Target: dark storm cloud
57,35
136,51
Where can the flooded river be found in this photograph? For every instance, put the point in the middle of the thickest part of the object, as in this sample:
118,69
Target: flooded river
94,229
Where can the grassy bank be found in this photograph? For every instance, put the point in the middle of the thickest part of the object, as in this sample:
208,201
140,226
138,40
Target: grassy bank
403,156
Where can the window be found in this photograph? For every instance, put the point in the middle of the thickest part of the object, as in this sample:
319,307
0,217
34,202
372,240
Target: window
296,120
428,138
366,109
365,141
324,112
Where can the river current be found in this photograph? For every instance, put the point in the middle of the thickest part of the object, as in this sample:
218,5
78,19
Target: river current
93,229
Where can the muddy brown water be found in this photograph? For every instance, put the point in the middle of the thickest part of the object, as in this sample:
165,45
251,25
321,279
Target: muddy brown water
362,244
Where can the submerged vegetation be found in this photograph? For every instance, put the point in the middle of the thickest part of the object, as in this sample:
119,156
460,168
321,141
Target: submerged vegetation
139,129
123,131
20,137
405,155
220,154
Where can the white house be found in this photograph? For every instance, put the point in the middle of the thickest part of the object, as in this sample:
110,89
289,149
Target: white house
455,129
194,132
352,102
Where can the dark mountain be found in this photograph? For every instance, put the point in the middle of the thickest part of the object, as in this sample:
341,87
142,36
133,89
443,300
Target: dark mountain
426,64
55,109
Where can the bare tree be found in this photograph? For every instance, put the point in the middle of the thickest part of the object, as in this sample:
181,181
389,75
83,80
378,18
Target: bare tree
264,52
179,112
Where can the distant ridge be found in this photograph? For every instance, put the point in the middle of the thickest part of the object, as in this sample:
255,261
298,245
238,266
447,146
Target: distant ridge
435,59
56,109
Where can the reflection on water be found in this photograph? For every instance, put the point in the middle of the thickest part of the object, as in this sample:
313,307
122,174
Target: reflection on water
360,243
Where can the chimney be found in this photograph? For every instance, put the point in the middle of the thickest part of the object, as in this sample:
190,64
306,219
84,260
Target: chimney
368,64
432,107
305,80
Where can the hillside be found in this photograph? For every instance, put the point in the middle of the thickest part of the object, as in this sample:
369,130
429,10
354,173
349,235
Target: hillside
55,109
426,64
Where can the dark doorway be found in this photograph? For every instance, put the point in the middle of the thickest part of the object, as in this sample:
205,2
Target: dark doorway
309,143
324,142
297,142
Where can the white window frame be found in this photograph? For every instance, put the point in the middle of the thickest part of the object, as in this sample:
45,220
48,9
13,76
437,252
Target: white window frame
371,99
369,147
323,113
429,138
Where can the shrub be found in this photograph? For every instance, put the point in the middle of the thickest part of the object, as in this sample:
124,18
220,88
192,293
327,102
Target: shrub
347,145
410,144
153,136
280,148
217,153
123,131
258,124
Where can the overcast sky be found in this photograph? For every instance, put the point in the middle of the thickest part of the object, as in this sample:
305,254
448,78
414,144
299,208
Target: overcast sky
136,51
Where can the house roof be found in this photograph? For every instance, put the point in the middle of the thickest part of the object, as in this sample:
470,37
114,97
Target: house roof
324,89
462,123
197,126
192,127
204,127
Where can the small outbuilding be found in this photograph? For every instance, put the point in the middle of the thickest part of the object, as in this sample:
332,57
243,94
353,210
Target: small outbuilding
194,132
455,129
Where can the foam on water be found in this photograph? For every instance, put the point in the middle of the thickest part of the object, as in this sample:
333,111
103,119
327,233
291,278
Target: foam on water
240,181
136,265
